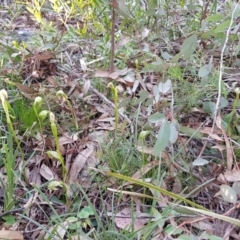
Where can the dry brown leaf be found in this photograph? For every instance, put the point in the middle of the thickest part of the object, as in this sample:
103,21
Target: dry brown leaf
31,200
126,219
149,150
66,140
45,55
222,179
11,235
83,65
46,172
123,41
202,225
79,162
113,75
177,186
139,174
34,177
231,175
229,151
104,115
86,86
25,89
52,80
59,230
212,135
109,119
195,109
162,200
219,147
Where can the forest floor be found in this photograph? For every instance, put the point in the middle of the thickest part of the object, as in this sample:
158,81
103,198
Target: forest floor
119,121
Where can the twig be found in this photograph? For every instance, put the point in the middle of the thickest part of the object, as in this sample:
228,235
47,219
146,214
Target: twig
204,12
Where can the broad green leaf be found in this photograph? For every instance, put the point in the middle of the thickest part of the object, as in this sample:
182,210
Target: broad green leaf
190,132
143,95
173,133
188,47
237,12
209,107
159,218
228,194
236,187
123,9
163,138
222,26
156,118
223,103
214,18
9,219
204,70
85,212
157,66
150,12
165,56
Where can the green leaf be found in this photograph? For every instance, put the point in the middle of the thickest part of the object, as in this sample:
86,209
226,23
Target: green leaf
236,187
173,133
123,9
158,66
228,194
188,47
204,70
156,118
209,107
143,95
214,18
222,26
223,103
190,132
9,219
85,212
163,138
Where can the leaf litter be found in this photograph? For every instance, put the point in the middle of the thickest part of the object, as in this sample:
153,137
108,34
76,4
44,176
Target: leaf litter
95,112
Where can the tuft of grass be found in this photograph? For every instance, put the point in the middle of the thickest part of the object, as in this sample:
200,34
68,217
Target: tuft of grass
25,115
122,157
